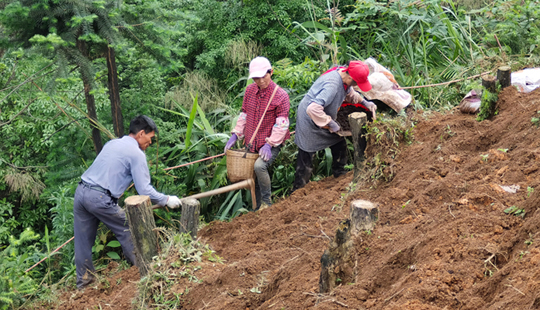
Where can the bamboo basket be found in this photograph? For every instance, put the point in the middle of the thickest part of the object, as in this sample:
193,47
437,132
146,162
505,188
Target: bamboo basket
238,167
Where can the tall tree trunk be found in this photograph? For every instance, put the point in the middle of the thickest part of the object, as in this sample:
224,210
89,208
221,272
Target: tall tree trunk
114,93
90,100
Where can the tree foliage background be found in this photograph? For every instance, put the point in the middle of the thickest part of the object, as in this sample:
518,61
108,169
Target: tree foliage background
184,63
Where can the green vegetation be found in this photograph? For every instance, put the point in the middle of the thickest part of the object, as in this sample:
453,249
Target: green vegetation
74,73
515,211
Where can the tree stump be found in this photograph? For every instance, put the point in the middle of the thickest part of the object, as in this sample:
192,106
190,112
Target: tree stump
357,120
490,83
364,214
503,76
141,225
337,265
189,222
488,107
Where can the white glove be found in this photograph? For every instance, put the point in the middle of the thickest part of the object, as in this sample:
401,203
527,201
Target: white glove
371,106
173,202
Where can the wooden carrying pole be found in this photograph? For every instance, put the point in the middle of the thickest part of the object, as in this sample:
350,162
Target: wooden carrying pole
141,225
249,183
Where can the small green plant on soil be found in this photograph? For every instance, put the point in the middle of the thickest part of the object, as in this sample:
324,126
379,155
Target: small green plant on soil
351,188
530,190
529,241
521,255
179,259
405,204
535,120
449,131
484,157
101,244
515,211
503,150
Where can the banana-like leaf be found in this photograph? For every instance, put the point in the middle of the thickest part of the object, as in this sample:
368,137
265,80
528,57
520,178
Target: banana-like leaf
190,122
316,25
205,122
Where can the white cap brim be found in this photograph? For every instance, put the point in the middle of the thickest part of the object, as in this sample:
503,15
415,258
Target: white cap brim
257,74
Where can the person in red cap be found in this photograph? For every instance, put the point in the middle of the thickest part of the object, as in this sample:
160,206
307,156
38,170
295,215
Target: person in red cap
273,129
316,128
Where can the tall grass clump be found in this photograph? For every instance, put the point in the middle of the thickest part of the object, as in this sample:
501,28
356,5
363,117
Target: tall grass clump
421,43
211,96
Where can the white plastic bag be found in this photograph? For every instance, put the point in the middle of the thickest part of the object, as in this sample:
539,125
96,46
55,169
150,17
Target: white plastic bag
526,80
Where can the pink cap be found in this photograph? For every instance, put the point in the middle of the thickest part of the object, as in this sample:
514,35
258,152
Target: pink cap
359,72
258,67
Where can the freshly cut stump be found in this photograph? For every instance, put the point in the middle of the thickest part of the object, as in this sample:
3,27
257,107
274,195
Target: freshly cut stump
504,76
141,225
190,217
364,214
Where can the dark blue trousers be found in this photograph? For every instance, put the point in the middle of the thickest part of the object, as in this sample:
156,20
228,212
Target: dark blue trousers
90,207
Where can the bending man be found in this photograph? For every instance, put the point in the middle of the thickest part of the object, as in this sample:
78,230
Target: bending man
96,199
274,128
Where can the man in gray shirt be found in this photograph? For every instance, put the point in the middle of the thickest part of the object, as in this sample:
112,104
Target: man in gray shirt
96,199
315,119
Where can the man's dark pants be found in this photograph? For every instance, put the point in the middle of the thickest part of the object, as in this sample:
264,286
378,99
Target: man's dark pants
90,207
304,164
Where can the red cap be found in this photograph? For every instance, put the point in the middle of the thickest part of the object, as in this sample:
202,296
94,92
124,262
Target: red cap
359,72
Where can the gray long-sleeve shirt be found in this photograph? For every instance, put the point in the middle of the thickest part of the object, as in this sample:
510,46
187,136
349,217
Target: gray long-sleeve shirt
328,92
119,163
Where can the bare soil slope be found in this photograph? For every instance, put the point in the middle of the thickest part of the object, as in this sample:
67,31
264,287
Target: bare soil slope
443,240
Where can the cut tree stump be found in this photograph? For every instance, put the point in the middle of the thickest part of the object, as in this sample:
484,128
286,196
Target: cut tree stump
141,225
490,83
364,214
189,222
504,76
337,264
357,120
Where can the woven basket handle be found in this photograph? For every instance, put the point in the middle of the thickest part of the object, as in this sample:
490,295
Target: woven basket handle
260,122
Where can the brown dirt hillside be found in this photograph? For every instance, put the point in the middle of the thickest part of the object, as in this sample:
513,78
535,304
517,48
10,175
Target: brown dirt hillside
443,239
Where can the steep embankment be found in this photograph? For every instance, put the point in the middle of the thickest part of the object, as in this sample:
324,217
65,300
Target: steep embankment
443,240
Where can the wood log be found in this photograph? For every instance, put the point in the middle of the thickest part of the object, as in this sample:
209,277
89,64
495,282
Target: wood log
504,76
363,214
357,120
336,262
488,108
189,222
489,82
141,225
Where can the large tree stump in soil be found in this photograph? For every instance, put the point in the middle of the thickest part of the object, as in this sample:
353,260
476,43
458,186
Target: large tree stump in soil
357,120
189,222
337,264
141,225
364,214
503,76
